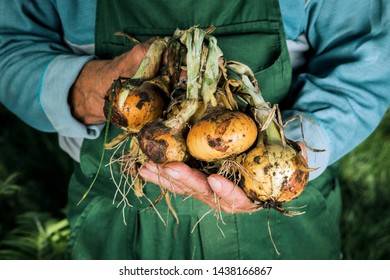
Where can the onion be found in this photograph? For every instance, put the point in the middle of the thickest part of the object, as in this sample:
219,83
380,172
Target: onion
274,174
133,108
221,134
138,100
163,144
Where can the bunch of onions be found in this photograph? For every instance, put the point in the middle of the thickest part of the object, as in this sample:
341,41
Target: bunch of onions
219,117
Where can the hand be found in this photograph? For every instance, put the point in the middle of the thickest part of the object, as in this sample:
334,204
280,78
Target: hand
215,190
86,97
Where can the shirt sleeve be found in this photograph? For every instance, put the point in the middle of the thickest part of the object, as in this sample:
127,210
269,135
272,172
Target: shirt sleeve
38,67
342,92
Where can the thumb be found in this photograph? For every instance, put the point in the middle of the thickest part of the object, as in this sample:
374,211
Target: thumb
231,194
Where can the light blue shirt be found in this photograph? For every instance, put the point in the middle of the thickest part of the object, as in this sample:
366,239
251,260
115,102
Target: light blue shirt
340,51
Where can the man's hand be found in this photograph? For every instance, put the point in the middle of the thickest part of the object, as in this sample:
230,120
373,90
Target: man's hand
86,97
215,190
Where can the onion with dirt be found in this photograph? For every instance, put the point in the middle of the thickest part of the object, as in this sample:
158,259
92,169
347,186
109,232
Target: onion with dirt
133,102
221,134
135,106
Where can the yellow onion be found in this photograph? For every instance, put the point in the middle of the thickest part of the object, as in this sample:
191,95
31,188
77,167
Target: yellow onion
133,107
221,134
138,100
162,144
274,173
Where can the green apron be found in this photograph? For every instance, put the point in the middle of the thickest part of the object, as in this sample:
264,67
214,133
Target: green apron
104,227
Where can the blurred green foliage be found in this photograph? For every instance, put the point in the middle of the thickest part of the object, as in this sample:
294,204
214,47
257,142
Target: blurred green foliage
365,179
34,174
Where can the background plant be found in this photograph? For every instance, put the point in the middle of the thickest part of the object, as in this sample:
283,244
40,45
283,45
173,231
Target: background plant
34,173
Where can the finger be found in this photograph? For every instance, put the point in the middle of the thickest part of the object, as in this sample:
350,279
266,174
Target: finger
154,174
232,198
177,178
129,61
189,179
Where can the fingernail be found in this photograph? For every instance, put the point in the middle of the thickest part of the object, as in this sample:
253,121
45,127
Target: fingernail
172,173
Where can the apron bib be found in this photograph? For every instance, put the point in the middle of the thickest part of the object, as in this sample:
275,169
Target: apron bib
110,225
